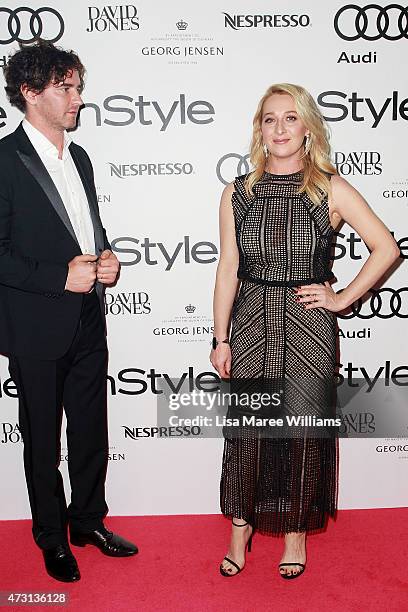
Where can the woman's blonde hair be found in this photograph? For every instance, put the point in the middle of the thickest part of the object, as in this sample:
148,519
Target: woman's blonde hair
316,156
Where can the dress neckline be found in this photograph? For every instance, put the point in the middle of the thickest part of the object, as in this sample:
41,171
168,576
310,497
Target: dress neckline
298,172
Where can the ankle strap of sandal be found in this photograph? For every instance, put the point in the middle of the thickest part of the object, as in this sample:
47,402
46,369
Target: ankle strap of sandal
240,525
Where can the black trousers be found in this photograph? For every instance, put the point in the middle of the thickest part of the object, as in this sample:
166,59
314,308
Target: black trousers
77,384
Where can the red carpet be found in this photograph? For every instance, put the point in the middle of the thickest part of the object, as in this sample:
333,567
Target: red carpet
359,564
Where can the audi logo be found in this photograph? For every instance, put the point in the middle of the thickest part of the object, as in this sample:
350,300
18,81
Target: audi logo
227,170
384,303
389,22
15,20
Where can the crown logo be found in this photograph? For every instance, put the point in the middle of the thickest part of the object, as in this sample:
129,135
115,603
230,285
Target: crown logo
182,25
190,308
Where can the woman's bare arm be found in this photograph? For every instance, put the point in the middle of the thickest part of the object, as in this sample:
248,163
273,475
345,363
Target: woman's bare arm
226,283
347,204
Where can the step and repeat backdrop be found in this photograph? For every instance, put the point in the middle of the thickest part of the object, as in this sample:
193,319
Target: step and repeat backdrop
170,93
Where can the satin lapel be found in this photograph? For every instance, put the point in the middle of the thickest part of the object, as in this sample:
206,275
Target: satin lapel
96,222
35,166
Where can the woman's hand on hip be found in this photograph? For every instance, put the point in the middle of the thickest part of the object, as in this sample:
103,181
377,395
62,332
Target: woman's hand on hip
319,296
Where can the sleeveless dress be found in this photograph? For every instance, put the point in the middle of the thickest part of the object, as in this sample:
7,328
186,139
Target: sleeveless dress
282,484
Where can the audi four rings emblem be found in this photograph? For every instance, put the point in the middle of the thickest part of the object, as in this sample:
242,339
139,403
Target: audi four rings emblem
384,303
372,22
240,166
18,19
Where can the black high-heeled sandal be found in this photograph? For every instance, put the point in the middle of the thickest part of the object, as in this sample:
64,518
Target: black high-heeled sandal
247,547
290,576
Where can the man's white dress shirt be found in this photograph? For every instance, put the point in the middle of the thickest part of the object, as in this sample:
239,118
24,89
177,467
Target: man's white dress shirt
68,183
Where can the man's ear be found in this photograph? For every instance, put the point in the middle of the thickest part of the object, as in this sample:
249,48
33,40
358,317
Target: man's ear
29,95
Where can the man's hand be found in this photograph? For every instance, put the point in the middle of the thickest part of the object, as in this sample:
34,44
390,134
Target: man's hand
107,268
81,274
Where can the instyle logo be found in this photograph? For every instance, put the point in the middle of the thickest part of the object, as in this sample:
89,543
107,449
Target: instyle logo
372,22
384,303
150,169
25,25
363,109
8,388
237,22
353,247
136,381
135,433
112,18
119,112
156,253
133,303
358,162
384,375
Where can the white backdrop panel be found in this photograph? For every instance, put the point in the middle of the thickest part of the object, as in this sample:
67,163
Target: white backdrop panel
162,214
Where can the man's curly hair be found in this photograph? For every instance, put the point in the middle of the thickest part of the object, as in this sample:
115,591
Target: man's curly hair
37,66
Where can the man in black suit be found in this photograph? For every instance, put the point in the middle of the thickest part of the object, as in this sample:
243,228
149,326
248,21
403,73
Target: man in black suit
54,262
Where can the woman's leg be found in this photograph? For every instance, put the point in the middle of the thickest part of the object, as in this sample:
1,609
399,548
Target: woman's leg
240,534
295,551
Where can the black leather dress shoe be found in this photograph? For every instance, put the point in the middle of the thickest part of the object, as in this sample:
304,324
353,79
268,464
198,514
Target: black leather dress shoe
61,564
107,542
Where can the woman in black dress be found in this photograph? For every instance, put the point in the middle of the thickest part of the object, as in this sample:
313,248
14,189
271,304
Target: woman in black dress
276,230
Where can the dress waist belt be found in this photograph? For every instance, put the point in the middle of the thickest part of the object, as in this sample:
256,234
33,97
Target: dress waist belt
288,283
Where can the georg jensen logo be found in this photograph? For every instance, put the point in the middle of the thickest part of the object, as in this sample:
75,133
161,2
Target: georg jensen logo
182,25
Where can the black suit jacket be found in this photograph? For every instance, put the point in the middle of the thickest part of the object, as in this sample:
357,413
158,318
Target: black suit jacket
38,317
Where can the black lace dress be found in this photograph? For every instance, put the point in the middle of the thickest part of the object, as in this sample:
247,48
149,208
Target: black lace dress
288,483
